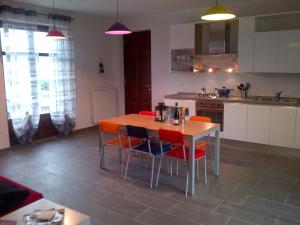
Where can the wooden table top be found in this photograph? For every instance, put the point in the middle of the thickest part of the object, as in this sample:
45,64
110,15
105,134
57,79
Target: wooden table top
189,128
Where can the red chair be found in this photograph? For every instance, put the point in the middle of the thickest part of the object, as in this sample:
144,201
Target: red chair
147,113
180,151
203,144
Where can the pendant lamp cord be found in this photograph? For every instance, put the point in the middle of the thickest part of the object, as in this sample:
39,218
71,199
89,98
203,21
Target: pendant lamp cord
54,26
117,10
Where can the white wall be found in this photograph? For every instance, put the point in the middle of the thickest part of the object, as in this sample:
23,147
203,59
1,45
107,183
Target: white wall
91,46
164,82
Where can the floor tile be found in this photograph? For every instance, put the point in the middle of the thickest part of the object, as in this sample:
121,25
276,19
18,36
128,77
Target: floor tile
154,217
274,208
109,217
261,192
246,214
160,203
199,215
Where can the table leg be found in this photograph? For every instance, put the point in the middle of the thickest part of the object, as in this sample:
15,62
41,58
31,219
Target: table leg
217,153
191,183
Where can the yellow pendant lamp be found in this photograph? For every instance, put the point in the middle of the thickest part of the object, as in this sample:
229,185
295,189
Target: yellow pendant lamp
218,12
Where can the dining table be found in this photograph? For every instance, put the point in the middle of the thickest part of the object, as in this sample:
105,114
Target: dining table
192,131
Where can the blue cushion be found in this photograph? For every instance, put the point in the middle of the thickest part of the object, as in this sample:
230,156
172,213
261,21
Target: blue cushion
155,148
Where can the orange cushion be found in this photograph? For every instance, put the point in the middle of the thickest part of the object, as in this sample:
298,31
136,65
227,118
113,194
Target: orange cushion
124,141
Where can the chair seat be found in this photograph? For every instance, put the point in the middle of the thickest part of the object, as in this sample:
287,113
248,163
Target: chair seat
124,141
178,153
155,148
199,145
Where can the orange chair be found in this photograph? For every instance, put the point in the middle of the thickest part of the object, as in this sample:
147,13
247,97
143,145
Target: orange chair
180,151
147,113
118,141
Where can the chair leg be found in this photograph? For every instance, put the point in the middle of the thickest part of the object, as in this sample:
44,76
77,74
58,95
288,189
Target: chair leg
177,170
187,182
197,170
158,172
205,172
101,153
152,172
123,159
120,155
128,158
171,167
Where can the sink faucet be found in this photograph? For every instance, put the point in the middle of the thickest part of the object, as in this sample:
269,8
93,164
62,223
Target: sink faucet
278,95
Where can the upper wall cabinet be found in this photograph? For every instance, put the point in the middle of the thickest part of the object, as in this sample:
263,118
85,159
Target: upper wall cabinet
182,36
269,44
288,57
265,52
246,43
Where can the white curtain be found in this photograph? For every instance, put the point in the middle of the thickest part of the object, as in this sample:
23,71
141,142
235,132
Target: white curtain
39,76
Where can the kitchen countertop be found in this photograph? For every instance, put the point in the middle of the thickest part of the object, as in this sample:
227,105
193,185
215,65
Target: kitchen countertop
258,100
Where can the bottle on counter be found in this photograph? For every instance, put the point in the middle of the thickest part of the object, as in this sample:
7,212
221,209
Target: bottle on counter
176,115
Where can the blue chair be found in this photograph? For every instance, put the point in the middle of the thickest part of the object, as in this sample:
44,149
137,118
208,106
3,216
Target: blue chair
148,148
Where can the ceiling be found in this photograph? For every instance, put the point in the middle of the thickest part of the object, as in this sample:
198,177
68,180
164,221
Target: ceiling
138,8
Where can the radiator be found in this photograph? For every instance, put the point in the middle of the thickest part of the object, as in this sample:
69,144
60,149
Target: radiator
103,104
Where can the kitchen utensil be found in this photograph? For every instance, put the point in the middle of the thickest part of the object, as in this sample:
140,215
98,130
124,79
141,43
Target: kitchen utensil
224,92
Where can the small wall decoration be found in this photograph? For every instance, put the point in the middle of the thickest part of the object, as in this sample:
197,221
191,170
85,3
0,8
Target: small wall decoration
182,60
101,67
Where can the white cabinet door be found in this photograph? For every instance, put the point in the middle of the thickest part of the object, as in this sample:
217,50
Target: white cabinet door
182,36
265,51
246,43
235,121
297,136
258,124
288,59
283,126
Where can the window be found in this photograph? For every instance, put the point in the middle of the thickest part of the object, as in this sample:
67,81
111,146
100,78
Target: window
39,75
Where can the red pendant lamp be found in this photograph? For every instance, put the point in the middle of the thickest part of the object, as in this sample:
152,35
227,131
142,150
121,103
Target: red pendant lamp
117,28
54,33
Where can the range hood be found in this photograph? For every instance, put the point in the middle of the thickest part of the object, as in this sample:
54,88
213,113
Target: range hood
216,46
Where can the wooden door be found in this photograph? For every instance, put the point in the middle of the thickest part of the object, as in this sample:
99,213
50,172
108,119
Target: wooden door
137,71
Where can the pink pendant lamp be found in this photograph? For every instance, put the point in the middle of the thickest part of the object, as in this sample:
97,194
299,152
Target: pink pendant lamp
54,33
117,28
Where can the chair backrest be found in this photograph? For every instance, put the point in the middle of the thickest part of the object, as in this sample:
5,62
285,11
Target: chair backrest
171,136
138,132
108,127
147,113
201,119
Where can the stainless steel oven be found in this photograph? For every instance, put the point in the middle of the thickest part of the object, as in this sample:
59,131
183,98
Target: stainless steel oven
213,108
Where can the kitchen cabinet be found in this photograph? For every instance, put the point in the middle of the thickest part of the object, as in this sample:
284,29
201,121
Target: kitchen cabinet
258,124
246,43
235,121
297,135
182,36
265,51
282,131
288,52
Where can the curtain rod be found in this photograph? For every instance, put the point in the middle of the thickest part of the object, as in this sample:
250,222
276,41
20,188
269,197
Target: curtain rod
10,9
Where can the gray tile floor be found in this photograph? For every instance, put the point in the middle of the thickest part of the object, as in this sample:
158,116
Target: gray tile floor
254,187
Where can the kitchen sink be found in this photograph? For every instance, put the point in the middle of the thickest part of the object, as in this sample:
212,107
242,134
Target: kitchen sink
266,99
289,100
263,99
